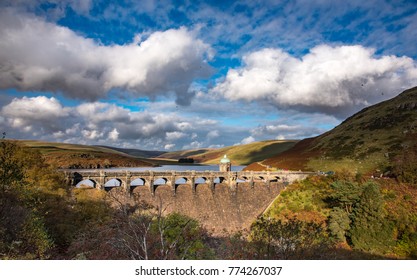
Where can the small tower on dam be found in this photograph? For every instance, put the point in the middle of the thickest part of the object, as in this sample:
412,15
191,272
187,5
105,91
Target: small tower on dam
225,164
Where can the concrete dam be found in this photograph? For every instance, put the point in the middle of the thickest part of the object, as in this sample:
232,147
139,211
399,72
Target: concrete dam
223,201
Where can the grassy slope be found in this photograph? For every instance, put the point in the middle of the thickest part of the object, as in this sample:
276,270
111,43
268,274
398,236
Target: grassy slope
184,154
64,155
48,147
365,142
83,156
135,152
239,155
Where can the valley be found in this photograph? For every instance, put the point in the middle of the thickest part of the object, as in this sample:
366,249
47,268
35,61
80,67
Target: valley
365,208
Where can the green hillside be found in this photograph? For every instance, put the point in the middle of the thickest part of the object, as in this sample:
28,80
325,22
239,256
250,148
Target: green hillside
184,153
135,152
369,141
63,155
48,147
239,155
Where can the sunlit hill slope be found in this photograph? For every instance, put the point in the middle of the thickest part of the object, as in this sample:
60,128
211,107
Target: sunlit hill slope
62,155
369,141
239,155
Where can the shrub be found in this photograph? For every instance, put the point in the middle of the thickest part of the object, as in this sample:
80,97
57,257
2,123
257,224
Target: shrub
291,239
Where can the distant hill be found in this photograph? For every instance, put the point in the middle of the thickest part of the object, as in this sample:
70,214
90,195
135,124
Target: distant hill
239,155
135,152
368,141
175,155
64,155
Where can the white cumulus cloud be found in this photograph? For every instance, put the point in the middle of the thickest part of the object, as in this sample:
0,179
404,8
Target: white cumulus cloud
42,56
284,131
246,140
27,112
92,134
174,135
113,135
213,134
192,145
99,112
169,147
100,123
336,80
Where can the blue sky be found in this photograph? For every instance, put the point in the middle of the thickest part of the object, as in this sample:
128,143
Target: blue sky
171,75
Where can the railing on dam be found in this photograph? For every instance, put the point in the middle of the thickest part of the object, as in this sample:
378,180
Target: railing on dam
125,179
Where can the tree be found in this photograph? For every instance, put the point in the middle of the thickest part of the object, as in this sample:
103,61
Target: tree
370,231
339,223
11,165
345,195
343,200
22,227
180,237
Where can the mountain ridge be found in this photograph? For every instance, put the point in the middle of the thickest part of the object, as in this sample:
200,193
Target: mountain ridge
367,141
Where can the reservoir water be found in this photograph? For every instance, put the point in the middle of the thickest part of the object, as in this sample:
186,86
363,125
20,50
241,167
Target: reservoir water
213,167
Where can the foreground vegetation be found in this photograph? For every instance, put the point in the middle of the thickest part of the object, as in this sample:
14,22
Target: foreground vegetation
42,219
377,216
319,218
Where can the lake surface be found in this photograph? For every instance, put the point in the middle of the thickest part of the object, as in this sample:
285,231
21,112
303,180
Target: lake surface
213,167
